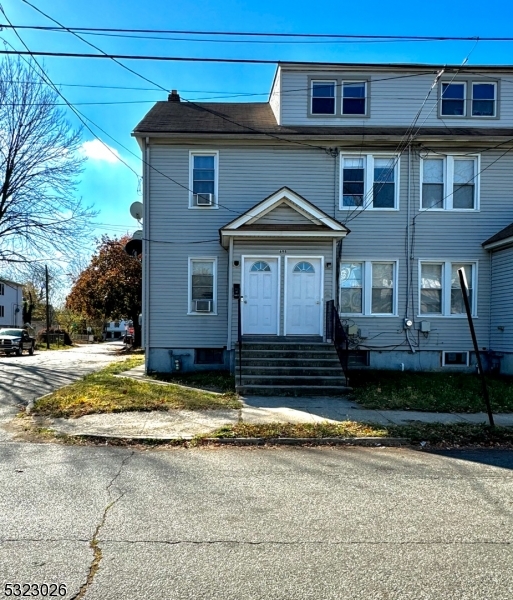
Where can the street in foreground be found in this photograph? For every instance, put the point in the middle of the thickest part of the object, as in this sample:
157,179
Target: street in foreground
238,523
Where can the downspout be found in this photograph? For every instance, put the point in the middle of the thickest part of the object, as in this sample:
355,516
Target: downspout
408,250
230,294
146,251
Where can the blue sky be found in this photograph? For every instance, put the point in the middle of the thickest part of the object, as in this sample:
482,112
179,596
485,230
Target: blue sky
108,184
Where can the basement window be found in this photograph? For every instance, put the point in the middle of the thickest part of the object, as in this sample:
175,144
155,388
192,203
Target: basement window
455,359
209,356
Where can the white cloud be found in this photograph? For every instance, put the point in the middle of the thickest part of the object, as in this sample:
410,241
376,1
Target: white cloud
96,150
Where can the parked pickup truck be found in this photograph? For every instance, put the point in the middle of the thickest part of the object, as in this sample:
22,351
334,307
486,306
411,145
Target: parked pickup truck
16,341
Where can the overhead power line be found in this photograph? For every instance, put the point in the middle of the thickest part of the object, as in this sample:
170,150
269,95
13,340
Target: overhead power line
439,38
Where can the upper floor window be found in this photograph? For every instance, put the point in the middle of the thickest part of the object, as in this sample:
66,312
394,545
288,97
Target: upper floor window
2,289
469,99
203,179
484,99
369,182
453,99
354,97
450,183
323,97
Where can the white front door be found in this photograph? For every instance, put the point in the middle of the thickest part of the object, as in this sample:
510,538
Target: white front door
260,296
303,296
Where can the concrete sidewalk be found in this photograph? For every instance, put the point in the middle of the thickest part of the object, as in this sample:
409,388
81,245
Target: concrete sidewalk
185,424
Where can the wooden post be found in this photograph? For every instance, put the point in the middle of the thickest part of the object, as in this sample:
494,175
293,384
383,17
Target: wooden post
464,291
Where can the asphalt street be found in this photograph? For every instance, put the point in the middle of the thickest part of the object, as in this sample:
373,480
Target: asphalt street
265,523
24,378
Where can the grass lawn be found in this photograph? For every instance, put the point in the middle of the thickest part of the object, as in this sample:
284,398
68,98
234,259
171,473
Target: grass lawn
102,392
439,392
300,430
217,381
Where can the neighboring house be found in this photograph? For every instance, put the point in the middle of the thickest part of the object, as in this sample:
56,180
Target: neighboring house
115,330
365,184
11,303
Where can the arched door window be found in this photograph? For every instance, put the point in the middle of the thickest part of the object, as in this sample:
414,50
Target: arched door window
260,266
303,267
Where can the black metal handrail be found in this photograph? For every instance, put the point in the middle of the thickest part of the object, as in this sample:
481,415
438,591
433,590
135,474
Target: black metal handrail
239,337
337,334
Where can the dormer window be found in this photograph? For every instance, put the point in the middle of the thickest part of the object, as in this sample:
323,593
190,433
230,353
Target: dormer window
453,99
323,97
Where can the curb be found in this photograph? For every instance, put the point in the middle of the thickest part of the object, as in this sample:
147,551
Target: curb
30,404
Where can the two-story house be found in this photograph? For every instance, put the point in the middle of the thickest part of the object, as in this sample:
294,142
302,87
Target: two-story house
11,303
365,184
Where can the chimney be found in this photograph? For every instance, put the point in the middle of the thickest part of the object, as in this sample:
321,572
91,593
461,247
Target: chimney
174,96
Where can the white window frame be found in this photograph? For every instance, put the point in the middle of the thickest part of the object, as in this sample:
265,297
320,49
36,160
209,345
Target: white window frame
368,188
366,99
192,154
445,352
448,181
495,99
446,288
367,287
191,260
464,99
325,81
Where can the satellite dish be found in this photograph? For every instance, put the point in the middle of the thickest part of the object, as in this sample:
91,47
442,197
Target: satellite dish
134,247
136,210
138,235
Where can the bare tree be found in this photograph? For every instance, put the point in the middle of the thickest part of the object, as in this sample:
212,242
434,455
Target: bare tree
40,162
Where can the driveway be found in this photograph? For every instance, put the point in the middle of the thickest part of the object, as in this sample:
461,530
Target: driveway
25,378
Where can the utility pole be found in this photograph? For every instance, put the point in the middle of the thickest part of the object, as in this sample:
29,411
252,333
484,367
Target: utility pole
47,310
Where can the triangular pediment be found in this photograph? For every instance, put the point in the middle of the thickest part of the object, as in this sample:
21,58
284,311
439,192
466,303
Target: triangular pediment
286,208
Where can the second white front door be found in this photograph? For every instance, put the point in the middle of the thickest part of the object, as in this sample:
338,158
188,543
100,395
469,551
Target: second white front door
303,296
260,296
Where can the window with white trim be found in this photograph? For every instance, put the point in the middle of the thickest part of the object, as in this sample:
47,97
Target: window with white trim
440,291
2,289
354,98
323,98
450,182
369,181
202,285
453,99
368,288
203,179
484,99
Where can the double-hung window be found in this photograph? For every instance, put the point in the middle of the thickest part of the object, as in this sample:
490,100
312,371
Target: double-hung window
368,288
453,99
369,181
484,99
202,286
354,98
203,179
450,183
440,291
323,97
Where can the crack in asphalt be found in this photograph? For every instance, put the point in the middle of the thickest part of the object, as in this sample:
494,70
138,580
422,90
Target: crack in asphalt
94,542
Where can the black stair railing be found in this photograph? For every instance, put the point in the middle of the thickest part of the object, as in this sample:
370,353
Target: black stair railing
337,334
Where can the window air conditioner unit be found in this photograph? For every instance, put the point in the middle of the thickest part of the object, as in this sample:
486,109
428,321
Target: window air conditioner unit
203,305
204,199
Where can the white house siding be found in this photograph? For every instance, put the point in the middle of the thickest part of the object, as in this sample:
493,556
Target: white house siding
501,322
283,249
394,100
12,301
248,174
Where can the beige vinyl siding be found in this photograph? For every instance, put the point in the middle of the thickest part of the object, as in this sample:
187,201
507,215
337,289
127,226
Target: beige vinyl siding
275,98
502,300
394,100
284,214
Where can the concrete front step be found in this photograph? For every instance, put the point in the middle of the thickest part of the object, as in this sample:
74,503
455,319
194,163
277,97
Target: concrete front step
292,363
287,346
293,390
306,369
277,354
295,380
